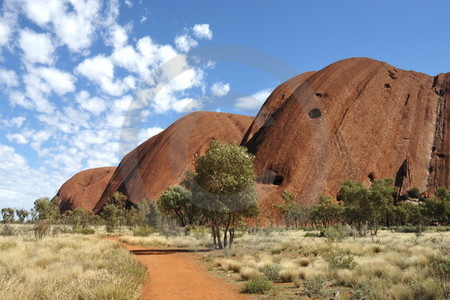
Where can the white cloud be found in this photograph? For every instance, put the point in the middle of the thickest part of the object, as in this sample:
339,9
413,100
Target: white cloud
95,105
74,22
60,82
202,31
14,122
17,138
145,134
5,32
253,101
185,43
119,36
37,47
8,78
143,19
220,89
14,161
129,3
100,70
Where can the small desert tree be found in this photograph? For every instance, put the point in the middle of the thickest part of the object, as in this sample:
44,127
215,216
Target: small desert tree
326,211
225,176
47,209
22,214
7,215
176,202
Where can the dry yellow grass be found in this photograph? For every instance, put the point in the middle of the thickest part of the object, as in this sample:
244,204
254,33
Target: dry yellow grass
391,266
67,267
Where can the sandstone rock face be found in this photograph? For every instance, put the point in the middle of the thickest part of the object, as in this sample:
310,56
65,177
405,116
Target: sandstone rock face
162,160
356,119
84,188
273,103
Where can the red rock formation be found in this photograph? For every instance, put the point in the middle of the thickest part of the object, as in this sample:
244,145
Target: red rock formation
162,160
84,188
273,102
355,119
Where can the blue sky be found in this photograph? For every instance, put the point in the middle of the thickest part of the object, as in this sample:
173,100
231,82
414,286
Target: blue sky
82,82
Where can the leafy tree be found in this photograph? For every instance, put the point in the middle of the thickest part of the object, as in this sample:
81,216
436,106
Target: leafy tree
22,214
381,198
355,196
326,211
176,201
150,213
287,207
7,215
435,210
225,176
47,209
79,217
413,193
114,212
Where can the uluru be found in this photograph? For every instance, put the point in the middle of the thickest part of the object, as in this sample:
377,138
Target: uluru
84,188
163,160
358,119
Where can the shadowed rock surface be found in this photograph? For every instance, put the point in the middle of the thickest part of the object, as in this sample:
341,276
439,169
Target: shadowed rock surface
84,188
162,160
358,119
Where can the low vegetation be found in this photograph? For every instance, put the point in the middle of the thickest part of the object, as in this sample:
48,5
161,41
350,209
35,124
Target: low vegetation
67,267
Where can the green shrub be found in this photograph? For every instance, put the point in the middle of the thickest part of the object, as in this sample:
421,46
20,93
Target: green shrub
272,272
336,233
315,287
440,268
312,234
143,231
257,285
337,259
7,230
363,292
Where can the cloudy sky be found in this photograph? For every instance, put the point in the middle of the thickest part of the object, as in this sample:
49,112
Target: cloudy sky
82,82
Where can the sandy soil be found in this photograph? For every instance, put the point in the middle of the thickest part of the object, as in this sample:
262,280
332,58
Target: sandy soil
177,275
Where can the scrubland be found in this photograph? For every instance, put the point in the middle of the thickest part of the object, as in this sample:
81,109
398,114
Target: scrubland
67,267
297,264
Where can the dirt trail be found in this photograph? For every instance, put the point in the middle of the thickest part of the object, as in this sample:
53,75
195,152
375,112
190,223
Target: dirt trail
176,275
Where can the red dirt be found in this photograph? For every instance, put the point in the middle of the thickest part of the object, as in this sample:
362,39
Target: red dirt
177,275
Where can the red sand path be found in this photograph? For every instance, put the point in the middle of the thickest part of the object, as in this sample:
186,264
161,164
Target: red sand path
177,275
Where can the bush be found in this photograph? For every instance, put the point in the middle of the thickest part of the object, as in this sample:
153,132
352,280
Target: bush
86,230
440,268
272,272
257,285
363,292
315,287
337,259
143,231
336,234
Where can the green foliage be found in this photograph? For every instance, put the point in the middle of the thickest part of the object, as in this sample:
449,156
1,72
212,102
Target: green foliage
272,272
7,215
363,292
22,214
151,214
79,217
112,216
176,202
436,210
326,211
440,268
315,287
257,285
367,205
413,193
336,233
338,259
47,209
143,231
225,189
290,209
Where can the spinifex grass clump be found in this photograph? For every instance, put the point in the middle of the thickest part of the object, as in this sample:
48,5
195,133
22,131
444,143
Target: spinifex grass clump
67,267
